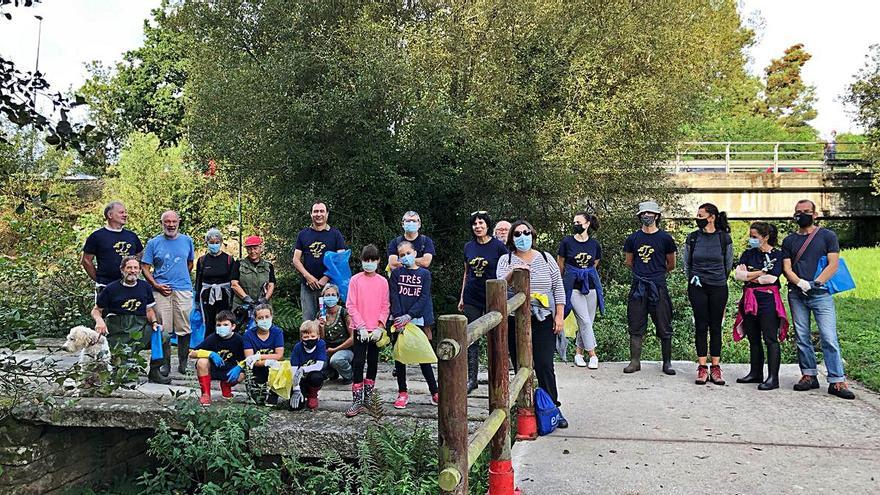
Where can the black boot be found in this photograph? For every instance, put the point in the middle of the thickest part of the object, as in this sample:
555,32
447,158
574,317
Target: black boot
473,366
756,359
773,357
155,376
182,352
165,369
635,354
666,350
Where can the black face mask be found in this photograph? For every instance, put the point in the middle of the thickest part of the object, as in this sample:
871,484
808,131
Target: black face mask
803,220
702,223
310,344
577,229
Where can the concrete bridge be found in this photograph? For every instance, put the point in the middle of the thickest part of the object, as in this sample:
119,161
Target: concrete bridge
753,181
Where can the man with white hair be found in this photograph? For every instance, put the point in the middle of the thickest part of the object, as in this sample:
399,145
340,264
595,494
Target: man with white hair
502,228
168,262
105,247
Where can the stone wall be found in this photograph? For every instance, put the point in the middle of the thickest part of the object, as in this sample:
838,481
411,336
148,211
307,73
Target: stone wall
46,459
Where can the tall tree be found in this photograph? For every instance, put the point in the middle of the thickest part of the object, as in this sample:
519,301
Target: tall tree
786,97
864,95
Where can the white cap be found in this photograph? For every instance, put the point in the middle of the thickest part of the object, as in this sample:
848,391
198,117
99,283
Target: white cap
649,207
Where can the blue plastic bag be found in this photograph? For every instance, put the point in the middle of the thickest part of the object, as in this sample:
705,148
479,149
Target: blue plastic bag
338,270
841,280
196,326
546,412
156,352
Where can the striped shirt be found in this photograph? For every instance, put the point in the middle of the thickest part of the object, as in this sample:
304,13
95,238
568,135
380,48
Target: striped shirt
545,276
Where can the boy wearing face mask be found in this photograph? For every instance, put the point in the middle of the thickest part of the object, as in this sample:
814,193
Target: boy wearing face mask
411,303
368,307
218,357
650,253
263,347
307,363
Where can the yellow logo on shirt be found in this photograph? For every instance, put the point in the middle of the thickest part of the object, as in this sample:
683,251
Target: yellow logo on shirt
645,253
317,249
583,259
479,265
131,305
122,248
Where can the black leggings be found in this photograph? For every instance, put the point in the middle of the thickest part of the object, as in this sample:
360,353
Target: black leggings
211,310
764,325
364,352
708,303
543,350
400,368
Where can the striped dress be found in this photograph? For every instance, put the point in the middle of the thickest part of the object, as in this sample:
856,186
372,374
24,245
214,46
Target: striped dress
545,276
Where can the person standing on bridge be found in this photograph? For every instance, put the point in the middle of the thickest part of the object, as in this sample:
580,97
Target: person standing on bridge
547,302
578,257
108,245
308,258
708,259
807,295
650,253
480,264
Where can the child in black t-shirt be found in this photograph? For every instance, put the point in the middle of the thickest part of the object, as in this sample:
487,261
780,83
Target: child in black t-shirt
219,357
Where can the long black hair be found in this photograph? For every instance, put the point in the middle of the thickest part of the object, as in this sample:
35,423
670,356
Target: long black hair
721,222
767,230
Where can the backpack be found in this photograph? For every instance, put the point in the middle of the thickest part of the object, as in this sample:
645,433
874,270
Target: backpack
692,243
546,412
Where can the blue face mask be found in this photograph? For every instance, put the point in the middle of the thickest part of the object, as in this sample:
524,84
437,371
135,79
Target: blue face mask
523,242
410,227
223,331
370,266
265,324
214,248
408,260
331,301
754,243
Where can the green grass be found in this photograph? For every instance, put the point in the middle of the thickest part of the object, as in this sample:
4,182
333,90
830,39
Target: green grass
858,317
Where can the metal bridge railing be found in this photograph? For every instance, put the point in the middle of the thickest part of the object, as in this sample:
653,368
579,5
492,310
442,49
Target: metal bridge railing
767,156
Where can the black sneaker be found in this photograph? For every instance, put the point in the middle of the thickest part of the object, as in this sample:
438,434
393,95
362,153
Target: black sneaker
806,383
841,390
562,423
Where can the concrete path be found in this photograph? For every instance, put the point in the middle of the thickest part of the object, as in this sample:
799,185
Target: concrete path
650,433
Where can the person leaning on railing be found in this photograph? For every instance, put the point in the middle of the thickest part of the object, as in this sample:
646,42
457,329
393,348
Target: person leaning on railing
547,301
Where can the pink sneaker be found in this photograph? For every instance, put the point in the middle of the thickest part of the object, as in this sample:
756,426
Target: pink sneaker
402,400
435,398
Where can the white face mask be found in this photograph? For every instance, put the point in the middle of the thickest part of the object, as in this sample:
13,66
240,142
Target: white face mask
265,324
224,331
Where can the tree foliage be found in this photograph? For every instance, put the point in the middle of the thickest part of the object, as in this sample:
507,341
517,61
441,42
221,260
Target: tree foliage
786,97
864,95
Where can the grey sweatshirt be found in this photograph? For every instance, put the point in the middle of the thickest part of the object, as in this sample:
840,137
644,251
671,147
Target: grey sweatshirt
709,263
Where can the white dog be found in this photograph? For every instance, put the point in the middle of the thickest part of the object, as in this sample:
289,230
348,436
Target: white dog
92,347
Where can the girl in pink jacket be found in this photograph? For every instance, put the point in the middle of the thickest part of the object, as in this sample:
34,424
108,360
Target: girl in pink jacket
368,306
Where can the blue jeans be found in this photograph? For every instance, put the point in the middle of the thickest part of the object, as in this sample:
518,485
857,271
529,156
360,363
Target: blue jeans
821,305
308,298
341,362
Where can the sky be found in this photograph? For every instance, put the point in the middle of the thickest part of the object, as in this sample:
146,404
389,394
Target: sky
837,34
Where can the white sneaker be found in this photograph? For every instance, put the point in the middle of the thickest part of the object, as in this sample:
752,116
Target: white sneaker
579,361
594,363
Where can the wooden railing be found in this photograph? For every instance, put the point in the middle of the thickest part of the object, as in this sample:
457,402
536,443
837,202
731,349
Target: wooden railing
457,452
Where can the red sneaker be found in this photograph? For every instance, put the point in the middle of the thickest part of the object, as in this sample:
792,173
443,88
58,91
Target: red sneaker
402,400
435,398
702,375
312,402
715,375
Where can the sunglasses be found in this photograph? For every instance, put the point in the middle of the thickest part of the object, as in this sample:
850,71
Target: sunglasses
522,232
479,212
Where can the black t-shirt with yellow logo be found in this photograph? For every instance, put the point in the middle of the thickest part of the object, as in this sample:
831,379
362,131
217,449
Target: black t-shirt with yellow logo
649,254
230,349
120,299
109,247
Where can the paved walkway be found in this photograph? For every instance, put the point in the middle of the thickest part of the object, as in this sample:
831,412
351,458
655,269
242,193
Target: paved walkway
650,433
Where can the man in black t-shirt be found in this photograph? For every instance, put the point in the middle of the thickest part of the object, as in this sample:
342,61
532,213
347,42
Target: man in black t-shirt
312,243
650,252
125,307
808,296
108,245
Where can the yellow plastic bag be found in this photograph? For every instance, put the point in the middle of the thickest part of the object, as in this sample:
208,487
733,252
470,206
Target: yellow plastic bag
571,325
281,379
385,339
413,347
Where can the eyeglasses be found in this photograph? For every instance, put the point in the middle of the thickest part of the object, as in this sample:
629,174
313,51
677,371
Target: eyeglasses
519,233
479,212
799,212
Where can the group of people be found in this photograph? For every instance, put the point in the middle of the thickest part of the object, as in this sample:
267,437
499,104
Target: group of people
144,289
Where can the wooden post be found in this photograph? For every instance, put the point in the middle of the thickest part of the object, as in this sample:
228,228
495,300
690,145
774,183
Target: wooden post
452,411
526,423
500,466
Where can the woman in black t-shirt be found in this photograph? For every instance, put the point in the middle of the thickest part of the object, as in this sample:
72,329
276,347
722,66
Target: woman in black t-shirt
213,276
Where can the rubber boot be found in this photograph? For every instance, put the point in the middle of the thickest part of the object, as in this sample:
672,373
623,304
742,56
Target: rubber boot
756,360
225,389
205,386
155,376
369,385
357,400
773,358
182,352
165,369
635,354
311,395
666,350
473,366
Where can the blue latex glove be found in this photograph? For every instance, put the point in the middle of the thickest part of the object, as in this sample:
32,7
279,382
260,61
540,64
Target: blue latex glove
233,374
217,360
